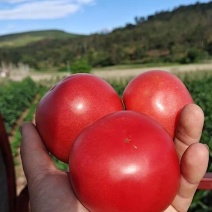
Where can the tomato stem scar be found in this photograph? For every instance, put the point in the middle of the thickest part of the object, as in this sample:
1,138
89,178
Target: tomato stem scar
127,140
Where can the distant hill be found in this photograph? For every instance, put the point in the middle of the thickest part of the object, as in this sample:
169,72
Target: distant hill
183,35
24,38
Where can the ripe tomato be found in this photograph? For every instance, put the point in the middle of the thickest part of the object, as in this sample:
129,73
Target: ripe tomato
69,107
158,94
124,162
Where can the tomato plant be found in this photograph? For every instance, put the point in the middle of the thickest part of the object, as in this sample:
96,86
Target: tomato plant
158,94
70,106
15,98
124,162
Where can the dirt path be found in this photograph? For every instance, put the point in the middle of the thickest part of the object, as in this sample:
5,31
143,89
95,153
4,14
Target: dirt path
20,176
112,73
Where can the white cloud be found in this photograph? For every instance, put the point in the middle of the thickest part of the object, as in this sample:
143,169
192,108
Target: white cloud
13,1
36,9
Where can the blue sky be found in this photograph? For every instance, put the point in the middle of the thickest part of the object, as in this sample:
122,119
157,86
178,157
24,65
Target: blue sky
77,16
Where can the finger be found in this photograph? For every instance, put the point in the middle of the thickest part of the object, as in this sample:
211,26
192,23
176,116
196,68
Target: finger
189,128
35,158
194,164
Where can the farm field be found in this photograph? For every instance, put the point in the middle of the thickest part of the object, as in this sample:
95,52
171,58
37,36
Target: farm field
114,72
35,54
26,92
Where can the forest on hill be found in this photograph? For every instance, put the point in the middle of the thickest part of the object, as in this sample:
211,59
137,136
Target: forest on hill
24,38
183,35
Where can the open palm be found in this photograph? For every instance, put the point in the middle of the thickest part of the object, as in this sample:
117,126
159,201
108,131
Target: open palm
50,189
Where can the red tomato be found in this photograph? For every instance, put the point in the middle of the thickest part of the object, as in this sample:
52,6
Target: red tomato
69,107
124,162
158,94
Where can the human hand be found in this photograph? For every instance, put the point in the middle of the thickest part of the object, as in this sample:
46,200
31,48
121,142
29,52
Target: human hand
193,156
50,189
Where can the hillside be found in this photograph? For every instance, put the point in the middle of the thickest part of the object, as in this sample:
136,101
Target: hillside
24,38
183,35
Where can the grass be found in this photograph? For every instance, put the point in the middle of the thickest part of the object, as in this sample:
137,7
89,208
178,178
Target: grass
20,41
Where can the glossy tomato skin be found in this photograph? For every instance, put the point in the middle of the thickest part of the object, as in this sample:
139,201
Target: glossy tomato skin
158,94
69,107
124,162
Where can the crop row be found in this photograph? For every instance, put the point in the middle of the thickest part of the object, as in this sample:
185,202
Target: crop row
15,97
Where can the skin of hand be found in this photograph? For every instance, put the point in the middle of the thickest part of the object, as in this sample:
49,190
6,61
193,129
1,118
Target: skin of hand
50,189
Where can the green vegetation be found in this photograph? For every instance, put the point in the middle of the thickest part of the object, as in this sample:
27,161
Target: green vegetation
15,97
80,66
183,35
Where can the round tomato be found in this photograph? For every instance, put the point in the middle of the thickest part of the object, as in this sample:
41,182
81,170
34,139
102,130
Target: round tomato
69,107
158,94
124,162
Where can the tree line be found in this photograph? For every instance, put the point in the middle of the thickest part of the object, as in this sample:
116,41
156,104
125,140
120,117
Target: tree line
183,35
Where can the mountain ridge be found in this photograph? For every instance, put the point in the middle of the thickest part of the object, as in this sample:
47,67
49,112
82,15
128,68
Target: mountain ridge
183,35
